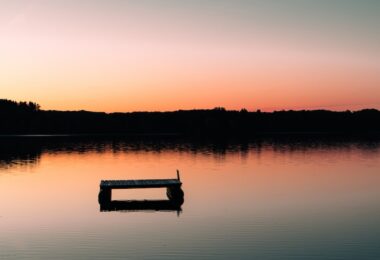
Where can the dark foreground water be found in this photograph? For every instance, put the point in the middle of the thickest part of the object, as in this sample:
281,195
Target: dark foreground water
263,199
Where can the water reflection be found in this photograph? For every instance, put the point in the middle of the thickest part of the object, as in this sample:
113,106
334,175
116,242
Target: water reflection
27,150
268,198
142,205
16,152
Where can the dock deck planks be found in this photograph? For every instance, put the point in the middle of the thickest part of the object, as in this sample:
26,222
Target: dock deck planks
133,184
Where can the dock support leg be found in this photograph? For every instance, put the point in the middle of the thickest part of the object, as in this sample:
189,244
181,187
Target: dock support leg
175,193
105,195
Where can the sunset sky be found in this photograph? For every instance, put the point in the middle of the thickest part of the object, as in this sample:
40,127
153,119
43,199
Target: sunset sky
139,55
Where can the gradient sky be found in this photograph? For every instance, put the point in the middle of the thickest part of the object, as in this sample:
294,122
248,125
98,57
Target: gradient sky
166,55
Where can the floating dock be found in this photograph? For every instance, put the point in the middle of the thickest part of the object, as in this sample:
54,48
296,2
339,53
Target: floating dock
173,187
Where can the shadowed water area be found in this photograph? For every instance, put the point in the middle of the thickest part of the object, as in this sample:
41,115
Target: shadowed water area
267,198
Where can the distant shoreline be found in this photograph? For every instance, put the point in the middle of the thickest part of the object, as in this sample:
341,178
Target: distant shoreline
26,119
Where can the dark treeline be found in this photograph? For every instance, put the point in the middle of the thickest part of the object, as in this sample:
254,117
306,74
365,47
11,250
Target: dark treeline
27,118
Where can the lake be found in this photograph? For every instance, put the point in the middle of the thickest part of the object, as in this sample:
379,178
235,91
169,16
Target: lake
270,198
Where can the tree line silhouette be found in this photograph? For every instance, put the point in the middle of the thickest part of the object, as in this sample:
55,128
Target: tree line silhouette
28,118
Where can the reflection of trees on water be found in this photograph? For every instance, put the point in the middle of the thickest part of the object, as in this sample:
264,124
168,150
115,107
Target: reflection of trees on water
15,152
27,151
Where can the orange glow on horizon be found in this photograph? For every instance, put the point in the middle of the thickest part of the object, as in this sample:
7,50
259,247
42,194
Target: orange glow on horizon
136,58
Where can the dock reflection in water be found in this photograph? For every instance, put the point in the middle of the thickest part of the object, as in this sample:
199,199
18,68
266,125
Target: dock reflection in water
142,205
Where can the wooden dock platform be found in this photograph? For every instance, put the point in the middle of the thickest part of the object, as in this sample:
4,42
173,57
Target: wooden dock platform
135,184
173,187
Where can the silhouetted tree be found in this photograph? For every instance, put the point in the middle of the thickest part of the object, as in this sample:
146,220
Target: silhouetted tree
13,106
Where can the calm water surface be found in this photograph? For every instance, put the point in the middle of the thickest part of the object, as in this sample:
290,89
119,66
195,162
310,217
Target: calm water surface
248,200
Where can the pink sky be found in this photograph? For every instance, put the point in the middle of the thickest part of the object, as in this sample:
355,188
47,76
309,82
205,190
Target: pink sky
128,57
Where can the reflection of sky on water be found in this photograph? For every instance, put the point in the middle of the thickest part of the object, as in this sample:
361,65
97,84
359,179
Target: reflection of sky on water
269,199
